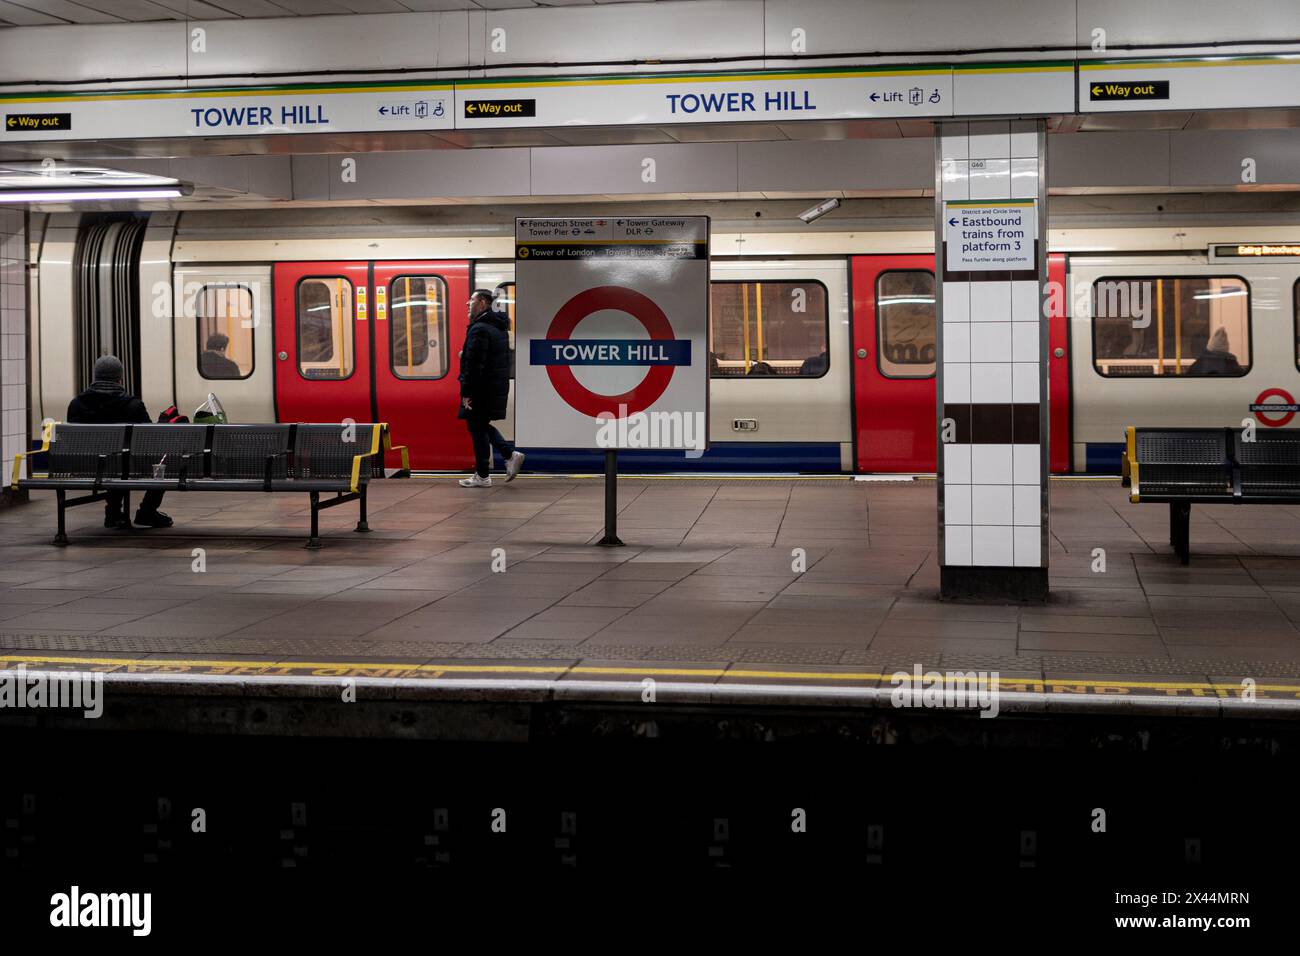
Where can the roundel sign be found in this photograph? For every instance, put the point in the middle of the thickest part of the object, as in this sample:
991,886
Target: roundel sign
1274,414
611,323
559,350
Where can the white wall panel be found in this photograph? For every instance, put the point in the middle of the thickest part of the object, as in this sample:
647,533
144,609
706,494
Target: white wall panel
130,51
700,29
894,26
1186,22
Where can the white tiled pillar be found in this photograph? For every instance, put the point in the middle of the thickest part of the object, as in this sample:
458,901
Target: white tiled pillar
13,337
990,213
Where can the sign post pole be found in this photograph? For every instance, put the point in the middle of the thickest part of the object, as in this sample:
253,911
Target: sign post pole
611,539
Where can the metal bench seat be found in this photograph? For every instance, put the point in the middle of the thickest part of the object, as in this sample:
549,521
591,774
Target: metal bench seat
314,459
1186,466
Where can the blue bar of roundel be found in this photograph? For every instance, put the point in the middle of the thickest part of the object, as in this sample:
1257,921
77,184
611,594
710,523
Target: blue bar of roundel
609,352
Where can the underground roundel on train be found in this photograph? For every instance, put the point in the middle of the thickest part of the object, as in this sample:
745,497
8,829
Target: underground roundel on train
611,333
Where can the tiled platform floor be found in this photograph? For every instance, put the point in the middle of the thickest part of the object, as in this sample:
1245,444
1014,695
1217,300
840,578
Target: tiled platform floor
706,579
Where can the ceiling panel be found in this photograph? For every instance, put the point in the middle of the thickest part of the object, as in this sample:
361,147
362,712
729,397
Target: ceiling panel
16,13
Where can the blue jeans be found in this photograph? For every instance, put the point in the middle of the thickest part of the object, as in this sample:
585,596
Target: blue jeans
485,437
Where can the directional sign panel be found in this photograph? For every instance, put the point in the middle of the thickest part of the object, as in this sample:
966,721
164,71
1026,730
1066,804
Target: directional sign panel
611,332
995,236
256,111
731,98
1190,84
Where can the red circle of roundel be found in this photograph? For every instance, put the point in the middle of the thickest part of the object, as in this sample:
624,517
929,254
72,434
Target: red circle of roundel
1286,399
640,307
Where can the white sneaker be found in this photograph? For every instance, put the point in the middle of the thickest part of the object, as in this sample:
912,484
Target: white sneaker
513,465
474,481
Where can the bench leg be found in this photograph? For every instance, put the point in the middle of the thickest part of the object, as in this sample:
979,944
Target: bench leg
1180,520
361,522
313,541
61,536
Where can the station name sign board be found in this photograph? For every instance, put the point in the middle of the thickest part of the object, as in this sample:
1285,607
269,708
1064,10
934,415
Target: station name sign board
241,111
611,333
893,91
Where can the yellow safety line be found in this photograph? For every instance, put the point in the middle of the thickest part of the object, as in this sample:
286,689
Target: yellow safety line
729,78
1160,65
758,316
200,93
635,671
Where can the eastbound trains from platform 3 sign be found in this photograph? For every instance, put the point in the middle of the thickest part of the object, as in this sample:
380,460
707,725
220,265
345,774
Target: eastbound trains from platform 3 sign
822,351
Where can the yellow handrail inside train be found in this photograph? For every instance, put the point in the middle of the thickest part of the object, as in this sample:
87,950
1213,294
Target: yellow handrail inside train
1178,327
744,316
410,371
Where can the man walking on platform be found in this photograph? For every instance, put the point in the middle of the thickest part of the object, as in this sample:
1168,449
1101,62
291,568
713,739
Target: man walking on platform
485,388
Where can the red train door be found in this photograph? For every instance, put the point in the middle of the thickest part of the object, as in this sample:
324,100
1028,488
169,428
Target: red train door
894,362
322,342
893,343
1058,363
420,320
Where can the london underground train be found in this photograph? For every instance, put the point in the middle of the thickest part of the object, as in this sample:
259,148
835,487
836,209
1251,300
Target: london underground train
822,344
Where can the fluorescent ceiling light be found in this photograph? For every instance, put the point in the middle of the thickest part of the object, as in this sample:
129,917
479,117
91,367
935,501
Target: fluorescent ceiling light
84,195
1220,295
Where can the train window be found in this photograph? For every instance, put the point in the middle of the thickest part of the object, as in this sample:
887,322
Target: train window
417,326
905,324
325,344
768,329
1295,307
506,300
225,322
1144,326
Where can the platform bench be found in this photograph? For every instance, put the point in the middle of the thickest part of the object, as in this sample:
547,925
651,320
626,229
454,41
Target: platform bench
1186,466
315,459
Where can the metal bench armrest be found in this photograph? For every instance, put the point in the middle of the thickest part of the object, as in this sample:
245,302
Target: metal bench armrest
270,467
100,464
389,446
47,432
358,459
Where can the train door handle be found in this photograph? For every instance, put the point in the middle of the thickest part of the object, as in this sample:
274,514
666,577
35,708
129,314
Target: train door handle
283,356
1058,353
862,353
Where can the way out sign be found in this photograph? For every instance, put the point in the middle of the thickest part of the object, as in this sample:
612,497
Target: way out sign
611,332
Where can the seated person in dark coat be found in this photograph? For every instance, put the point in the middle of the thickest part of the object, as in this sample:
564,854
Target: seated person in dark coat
107,402
1216,359
213,362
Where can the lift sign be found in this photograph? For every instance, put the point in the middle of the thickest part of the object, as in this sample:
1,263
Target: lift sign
992,236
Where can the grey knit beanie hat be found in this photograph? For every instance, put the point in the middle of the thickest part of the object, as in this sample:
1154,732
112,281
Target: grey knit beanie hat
108,368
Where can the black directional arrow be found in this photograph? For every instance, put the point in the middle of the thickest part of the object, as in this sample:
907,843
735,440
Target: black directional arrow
952,222
874,97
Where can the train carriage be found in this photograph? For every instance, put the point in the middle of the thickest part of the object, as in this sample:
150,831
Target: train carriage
822,352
